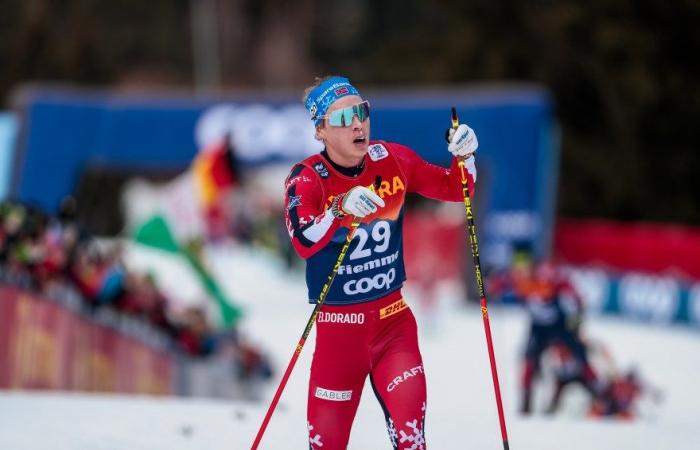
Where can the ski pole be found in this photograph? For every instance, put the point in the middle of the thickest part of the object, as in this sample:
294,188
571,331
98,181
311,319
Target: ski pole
471,227
309,325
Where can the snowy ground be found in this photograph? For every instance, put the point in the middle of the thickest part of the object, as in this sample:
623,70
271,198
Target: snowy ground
461,407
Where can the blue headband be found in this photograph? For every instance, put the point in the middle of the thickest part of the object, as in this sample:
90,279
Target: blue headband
323,96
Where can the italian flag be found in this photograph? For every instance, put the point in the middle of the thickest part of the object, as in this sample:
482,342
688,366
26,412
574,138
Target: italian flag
170,218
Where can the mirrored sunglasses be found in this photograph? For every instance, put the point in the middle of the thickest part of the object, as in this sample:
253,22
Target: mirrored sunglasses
343,117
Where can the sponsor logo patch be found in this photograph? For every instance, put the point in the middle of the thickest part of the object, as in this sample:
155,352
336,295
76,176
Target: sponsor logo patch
462,138
351,318
321,169
364,285
313,110
342,91
368,265
392,309
294,201
297,179
377,152
334,396
405,376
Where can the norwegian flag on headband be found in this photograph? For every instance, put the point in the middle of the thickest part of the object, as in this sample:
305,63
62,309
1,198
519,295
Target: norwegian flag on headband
323,95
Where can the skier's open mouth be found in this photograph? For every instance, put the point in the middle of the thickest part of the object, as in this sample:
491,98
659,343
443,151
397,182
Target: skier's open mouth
360,140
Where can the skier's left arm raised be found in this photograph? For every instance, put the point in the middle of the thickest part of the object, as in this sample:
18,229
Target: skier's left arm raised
437,182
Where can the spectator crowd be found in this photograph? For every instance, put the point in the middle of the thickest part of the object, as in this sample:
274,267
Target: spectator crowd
55,256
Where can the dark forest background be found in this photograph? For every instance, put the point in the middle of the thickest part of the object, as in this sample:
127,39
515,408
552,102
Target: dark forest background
624,74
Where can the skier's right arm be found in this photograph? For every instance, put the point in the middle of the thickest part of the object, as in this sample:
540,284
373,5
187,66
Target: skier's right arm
311,219
309,225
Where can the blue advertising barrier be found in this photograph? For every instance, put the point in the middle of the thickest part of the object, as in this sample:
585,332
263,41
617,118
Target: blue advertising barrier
66,132
650,298
8,132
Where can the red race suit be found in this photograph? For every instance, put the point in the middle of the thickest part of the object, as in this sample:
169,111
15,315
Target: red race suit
365,328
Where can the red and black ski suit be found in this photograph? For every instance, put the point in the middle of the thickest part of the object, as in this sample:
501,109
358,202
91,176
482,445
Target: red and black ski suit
364,327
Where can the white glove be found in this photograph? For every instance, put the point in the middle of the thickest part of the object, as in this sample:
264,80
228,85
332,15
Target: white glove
462,141
359,201
471,167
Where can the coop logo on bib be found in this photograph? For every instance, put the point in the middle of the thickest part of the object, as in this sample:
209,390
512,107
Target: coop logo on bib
364,285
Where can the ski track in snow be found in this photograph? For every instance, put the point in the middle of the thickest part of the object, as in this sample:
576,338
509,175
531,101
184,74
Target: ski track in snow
461,407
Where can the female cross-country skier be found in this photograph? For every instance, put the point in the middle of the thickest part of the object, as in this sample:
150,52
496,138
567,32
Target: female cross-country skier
364,327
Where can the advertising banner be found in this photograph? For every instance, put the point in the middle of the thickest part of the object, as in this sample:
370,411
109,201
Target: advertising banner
644,297
44,346
70,132
8,131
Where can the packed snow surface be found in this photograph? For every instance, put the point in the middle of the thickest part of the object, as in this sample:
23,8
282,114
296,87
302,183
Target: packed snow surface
461,407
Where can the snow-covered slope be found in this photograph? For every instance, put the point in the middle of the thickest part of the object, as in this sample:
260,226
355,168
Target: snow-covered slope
461,407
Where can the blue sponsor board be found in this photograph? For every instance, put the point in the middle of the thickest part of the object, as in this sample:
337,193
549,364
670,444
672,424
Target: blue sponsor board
650,298
8,132
67,132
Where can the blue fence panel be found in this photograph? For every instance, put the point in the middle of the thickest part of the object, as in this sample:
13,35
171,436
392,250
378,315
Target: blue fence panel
66,132
8,132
